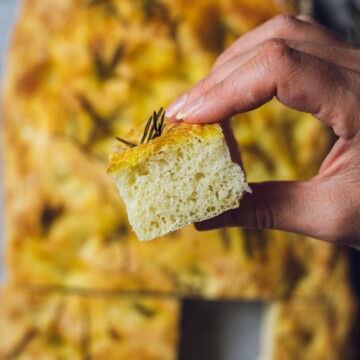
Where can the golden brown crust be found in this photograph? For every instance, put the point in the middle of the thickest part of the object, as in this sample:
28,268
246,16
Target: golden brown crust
32,326
68,326
174,134
134,328
308,329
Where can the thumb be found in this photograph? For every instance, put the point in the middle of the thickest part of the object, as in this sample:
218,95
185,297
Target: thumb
283,205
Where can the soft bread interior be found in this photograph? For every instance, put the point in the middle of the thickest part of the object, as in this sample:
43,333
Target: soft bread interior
185,182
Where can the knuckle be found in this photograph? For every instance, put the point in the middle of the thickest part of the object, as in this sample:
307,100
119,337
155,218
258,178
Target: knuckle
273,51
343,108
348,114
274,41
277,55
284,23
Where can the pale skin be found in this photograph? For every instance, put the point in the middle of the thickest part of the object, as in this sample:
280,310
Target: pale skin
307,68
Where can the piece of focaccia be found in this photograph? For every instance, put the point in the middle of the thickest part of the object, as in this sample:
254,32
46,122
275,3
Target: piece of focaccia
181,177
65,325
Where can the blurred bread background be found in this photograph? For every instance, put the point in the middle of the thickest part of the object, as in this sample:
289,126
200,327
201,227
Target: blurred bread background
78,284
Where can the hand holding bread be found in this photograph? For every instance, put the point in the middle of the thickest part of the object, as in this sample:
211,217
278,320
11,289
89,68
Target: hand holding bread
308,69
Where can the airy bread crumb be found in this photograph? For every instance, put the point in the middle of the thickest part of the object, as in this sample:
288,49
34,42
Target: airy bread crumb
180,178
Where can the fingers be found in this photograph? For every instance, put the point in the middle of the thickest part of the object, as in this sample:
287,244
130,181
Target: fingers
326,52
325,207
211,80
299,80
272,205
305,208
283,27
298,30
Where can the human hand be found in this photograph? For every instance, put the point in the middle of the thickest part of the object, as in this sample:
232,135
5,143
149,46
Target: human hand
308,69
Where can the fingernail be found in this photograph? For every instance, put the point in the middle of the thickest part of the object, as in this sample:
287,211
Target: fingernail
190,108
175,106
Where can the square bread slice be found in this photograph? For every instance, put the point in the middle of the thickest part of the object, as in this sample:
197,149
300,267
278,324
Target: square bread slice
184,176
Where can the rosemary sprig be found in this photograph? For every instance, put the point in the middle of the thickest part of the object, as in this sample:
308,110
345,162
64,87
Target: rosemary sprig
254,243
225,238
154,8
156,126
103,125
144,310
24,342
95,2
86,334
106,69
129,144
110,7
153,128
48,216
146,130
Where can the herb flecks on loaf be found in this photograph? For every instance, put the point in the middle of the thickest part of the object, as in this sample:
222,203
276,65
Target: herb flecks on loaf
153,129
184,176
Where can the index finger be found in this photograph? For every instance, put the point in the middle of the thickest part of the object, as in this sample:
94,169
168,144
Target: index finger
299,80
282,27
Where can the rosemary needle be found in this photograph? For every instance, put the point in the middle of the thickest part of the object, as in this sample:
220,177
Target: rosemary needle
153,128
126,142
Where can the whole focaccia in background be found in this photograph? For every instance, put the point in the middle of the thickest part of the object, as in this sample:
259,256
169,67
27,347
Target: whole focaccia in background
72,88
81,72
322,326
306,330
63,325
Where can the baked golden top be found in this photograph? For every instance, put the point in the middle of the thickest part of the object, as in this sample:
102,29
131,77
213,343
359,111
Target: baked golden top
64,325
123,157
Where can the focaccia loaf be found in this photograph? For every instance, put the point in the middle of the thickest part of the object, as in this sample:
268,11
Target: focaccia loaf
79,73
60,122
64,325
184,176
